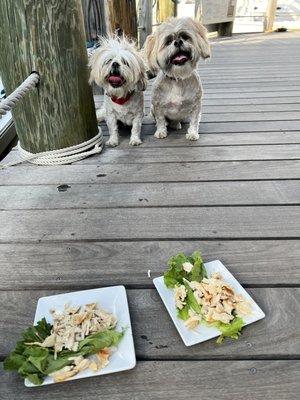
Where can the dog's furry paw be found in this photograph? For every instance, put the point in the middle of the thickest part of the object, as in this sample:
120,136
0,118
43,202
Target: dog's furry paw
160,134
135,141
175,125
192,135
112,142
100,114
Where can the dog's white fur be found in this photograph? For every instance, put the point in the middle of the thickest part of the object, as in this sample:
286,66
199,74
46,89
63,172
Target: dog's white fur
132,70
177,91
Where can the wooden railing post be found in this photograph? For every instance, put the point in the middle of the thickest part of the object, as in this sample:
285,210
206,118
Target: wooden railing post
270,15
123,17
145,20
94,19
47,37
165,9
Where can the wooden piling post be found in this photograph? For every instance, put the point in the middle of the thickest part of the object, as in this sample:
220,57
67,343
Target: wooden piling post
123,17
145,20
165,9
47,37
270,15
94,18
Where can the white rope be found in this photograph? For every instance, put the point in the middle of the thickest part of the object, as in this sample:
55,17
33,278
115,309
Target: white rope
7,104
66,155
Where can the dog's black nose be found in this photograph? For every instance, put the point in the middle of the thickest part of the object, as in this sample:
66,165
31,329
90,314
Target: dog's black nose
178,43
115,64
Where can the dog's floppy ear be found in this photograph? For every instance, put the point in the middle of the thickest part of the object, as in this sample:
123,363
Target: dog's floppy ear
201,33
149,53
142,83
94,64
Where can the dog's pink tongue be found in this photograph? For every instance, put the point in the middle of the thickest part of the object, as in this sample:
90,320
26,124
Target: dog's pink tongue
115,80
180,58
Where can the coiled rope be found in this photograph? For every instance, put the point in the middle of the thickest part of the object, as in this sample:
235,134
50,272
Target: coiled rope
66,155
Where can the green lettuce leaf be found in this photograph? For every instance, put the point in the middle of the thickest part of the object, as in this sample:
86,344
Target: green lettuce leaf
36,379
191,300
231,330
191,303
97,341
198,272
34,362
22,350
184,312
175,274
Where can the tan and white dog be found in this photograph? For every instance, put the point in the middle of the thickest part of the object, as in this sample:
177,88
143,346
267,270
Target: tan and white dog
174,51
118,67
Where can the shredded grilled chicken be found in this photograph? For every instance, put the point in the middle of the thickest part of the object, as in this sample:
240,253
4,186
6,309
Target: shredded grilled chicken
70,327
193,320
74,324
217,300
180,295
70,370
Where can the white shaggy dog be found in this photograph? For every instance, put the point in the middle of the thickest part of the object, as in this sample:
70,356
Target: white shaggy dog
174,50
118,67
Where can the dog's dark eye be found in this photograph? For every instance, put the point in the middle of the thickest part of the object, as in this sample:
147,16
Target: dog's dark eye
125,62
185,36
107,62
169,40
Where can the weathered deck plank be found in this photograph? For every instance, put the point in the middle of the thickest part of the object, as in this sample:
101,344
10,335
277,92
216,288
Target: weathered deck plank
54,264
214,153
259,126
150,195
150,223
169,380
157,172
211,139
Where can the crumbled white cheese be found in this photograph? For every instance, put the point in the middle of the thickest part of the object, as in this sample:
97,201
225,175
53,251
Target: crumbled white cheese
187,266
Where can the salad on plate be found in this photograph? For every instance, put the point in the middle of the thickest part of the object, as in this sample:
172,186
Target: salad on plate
203,299
79,338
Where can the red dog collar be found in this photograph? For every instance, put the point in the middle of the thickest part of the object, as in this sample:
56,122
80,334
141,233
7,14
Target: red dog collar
121,100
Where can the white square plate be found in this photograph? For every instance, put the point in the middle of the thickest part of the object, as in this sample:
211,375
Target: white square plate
202,332
112,299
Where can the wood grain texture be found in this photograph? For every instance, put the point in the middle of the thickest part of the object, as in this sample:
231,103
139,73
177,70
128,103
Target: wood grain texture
211,139
238,127
158,172
51,38
251,108
259,109
145,20
214,153
169,380
253,116
207,101
150,195
94,18
123,17
165,9
72,265
259,100
156,337
150,223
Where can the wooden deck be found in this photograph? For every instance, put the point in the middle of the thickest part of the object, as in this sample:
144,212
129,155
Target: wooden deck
234,195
